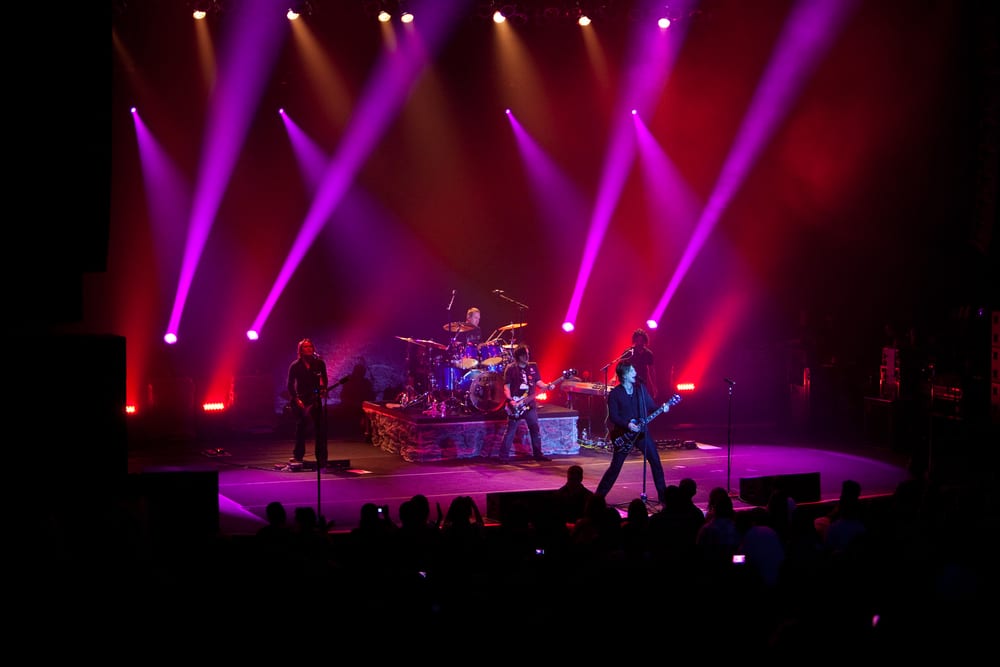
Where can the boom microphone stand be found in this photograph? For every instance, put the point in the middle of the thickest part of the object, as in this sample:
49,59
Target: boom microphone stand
607,388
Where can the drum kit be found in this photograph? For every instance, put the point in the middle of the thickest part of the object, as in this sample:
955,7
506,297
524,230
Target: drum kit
459,376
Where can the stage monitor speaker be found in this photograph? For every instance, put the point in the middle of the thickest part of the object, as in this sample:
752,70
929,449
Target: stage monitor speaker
499,506
801,487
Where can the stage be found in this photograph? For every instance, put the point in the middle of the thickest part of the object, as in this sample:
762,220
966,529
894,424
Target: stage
231,481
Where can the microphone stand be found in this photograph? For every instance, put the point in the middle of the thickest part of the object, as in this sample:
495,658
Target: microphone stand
607,389
645,434
520,314
321,394
324,393
729,440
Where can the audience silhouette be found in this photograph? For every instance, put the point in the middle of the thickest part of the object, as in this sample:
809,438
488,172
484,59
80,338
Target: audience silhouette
875,576
571,498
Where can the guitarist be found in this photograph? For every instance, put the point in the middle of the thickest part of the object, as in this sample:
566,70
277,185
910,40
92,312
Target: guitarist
628,403
521,379
307,385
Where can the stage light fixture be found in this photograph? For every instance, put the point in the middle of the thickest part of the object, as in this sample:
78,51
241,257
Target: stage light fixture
200,9
298,8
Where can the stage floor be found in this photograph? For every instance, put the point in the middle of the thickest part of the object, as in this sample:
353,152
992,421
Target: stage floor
253,471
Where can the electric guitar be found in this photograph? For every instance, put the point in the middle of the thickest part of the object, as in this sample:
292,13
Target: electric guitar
316,399
623,443
522,403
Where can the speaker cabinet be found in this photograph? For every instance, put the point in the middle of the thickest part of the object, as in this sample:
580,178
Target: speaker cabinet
499,506
181,506
801,487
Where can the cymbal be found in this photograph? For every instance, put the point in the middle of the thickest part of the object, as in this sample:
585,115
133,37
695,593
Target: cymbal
411,340
431,343
458,326
424,342
516,325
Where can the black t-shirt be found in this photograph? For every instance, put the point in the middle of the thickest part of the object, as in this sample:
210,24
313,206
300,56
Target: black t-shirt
521,380
305,381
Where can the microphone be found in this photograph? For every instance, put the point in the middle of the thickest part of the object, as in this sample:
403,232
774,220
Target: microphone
452,299
498,291
729,382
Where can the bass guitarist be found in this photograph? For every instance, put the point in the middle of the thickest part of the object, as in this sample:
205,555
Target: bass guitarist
521,380
629,404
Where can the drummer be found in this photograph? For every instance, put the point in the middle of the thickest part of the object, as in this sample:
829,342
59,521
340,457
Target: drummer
463,350
475,334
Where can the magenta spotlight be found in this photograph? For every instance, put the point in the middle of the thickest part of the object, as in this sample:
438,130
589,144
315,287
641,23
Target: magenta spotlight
252,335
651,324
568,327
170,338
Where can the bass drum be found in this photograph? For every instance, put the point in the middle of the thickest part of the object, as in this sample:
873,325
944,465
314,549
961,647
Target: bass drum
465,384
486,391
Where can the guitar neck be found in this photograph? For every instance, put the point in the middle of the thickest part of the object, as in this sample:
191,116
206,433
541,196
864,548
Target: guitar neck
653,415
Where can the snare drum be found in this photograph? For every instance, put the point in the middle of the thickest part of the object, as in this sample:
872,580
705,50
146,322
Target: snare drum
490,354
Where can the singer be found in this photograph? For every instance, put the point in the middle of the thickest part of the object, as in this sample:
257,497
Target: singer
307,387
630,409
641,358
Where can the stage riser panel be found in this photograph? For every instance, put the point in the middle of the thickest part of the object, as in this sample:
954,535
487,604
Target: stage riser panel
420,438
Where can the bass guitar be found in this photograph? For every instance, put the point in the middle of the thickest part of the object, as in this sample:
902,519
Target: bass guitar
522,403
623,443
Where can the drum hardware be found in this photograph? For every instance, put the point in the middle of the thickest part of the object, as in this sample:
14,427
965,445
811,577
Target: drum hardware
407,400
516,325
